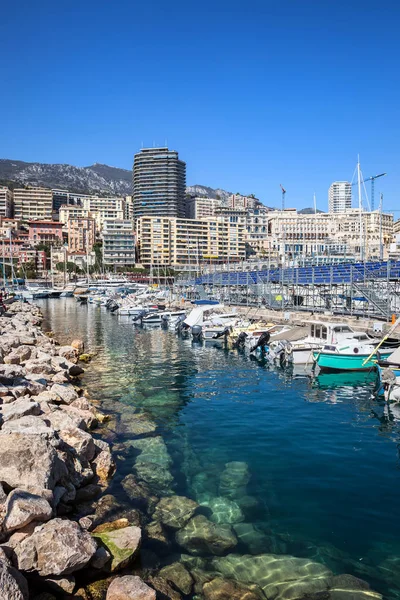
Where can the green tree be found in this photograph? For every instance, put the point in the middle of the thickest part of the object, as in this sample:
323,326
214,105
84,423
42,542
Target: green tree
70,267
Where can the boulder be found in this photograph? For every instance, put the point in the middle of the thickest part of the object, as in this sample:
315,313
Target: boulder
12,359
59,419
281,577
78,345
58,547
29,461
13,585
201,536
68,352
130,587
226,589
179,576
175,511
75,371
139,493
65,392
156,535
224,510
62,584
138,424
122,544
23,507
104,465
80,441
86,417
20,408
234,479
163,589
27,425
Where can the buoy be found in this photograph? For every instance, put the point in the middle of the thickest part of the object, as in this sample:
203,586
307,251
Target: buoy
393,319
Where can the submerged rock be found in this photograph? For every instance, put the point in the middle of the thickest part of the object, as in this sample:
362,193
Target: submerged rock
139,493
234,479
201,536
226,589
130,587
224,510
175,511
179,576
122,544
280,577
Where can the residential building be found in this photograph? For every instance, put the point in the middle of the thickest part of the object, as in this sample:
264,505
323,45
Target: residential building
7,225
6,202
201,208
129,208
119,243
339,196
64,197
243,202
81,234
187,243
47,232
31,256
71,212
159,183
254,222
33,203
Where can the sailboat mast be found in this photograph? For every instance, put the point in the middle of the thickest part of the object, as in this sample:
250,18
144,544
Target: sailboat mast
360,205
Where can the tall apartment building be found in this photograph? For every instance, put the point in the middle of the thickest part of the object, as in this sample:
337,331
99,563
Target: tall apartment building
159,183
189,242
339,196
119,243
101,209
81,234
33,203
6,202
201,208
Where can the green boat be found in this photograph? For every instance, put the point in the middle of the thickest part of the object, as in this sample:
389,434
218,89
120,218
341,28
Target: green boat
349,356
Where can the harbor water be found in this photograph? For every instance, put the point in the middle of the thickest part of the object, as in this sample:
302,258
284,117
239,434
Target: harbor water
317,460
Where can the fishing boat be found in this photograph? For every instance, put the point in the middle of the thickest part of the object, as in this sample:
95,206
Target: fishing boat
349,355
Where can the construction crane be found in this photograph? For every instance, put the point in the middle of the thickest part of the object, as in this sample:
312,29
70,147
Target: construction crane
283,196
372,180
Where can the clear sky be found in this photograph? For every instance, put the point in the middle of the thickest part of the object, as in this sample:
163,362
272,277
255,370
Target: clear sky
251,93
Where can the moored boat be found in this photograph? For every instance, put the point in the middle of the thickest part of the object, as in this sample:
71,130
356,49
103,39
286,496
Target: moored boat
349,356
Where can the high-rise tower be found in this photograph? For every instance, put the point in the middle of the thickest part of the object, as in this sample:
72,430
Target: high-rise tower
159,183
339,196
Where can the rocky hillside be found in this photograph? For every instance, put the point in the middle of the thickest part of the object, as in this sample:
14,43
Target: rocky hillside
96,179
203,191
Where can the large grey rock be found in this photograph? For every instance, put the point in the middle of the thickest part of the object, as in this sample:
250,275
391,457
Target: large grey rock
175,511
20,408
87,418
226,589
122,544
59,419
179,576
65,392
58,547
27,425
81,441
104,465
224,510
13,585
29,461
23,507
201,536
130,587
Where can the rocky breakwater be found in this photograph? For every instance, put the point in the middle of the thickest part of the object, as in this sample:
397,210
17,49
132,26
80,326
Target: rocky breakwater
49,461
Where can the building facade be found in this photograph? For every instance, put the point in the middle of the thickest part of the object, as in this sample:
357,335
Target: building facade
339,196
46,232
81,234
119,243
243,202
188,243
6,202
201,208
159,183
33,203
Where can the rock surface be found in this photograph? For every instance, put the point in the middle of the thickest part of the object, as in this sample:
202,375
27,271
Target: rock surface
23,507
13,585
130,587
201,537
122,544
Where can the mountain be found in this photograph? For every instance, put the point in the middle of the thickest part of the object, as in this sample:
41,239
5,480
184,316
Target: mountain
202,191
308,211
96,179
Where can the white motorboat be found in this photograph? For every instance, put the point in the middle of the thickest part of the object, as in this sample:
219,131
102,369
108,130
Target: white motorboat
158,318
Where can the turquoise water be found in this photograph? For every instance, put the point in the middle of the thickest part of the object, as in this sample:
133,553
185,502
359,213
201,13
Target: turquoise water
323,456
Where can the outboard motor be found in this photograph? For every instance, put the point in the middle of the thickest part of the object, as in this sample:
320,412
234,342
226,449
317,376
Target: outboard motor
197,333
164,321
138,319
262,342
241,340
223,333
114,307
182,328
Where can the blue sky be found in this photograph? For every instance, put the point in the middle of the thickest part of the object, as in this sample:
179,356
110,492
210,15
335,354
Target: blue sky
252,94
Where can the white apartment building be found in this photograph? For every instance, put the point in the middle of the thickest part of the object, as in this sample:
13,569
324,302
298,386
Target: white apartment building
339,196
119,243
187,243
100,209
6,202
33,203
243,202
201,208
72,212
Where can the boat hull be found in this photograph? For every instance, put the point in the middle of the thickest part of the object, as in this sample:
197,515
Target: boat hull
331,362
